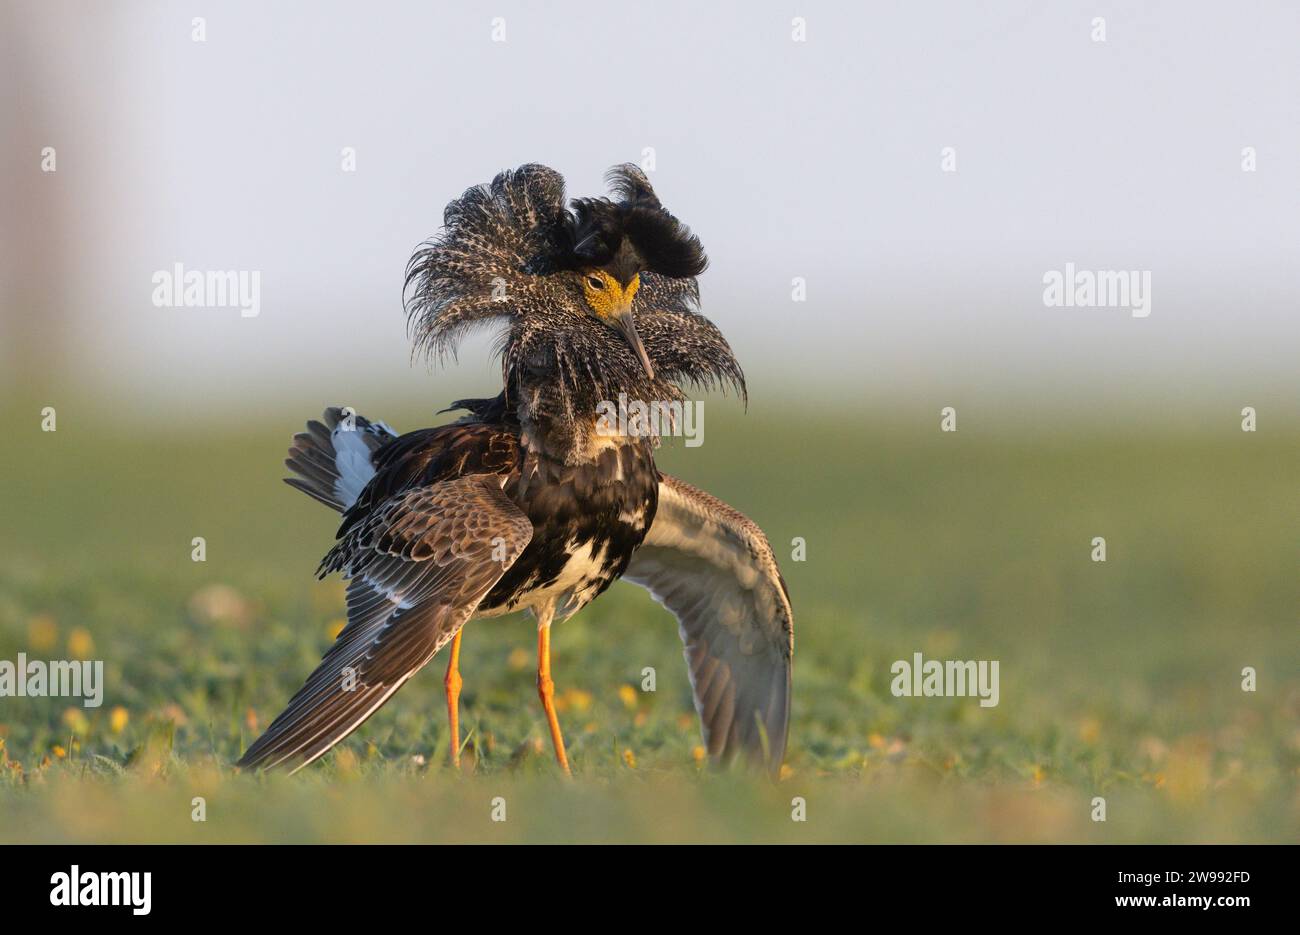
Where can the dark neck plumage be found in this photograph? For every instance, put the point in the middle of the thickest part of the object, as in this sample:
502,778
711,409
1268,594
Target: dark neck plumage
558,417
549,428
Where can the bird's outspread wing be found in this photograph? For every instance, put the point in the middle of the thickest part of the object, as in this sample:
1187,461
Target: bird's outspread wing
714,569
418,566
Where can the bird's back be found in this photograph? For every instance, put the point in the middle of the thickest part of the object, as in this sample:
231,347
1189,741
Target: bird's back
588,515
474,445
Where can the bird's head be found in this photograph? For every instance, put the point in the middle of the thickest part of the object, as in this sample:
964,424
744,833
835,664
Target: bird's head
598,296
609,299
611,242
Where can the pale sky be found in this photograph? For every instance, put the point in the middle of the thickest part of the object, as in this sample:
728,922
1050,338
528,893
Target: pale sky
818,159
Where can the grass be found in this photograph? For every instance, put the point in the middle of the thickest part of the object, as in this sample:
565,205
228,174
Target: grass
1120,680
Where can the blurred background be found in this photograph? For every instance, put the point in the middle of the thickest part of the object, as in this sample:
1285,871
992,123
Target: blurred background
820,160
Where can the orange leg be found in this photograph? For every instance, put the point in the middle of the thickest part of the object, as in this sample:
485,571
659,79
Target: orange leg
452,684
546,690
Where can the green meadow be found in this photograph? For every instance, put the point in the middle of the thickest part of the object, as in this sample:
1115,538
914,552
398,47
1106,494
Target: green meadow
1120,680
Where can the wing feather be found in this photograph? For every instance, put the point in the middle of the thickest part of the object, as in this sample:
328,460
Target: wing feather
715,571
418,566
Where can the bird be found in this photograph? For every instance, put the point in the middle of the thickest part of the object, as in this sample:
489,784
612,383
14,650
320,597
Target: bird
525,502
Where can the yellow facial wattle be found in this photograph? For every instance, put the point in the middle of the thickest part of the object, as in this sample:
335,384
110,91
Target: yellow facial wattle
605,296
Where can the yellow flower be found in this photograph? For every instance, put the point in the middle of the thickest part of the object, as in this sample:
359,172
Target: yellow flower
573,699
80,643
629,758
75,719
698,753
627,694
59,752
786,771
117,719
42,633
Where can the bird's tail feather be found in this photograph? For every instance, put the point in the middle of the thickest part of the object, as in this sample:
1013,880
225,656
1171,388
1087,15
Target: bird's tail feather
334,459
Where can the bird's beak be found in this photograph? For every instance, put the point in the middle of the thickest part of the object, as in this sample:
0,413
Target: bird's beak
622,320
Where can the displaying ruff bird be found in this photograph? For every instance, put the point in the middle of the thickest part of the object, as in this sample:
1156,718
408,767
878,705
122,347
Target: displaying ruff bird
528,502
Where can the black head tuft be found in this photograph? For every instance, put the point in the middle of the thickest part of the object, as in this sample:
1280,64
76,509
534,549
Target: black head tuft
634,233
631,185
